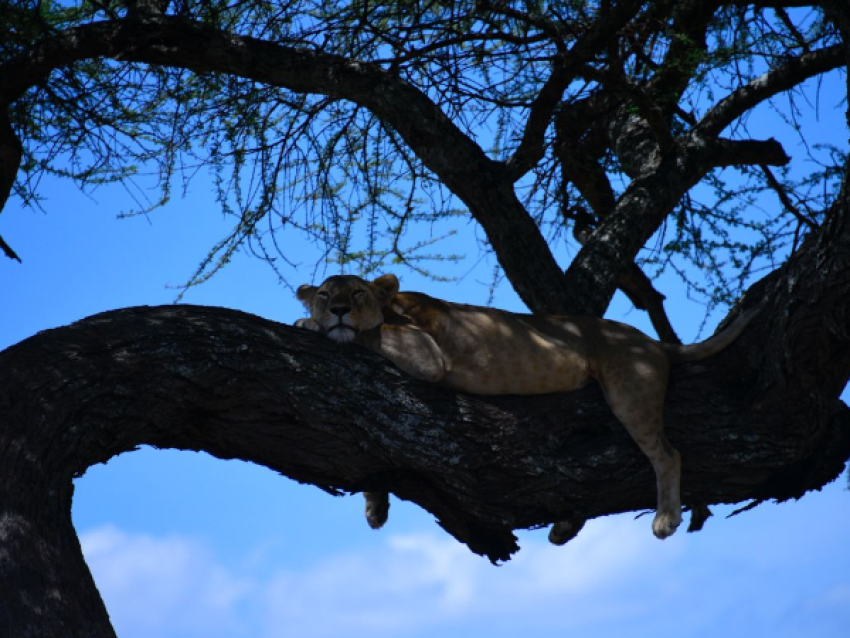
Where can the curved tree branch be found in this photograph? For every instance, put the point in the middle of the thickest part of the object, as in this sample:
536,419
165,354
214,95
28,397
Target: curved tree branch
762,420
565,69
637,215
238,386
775,81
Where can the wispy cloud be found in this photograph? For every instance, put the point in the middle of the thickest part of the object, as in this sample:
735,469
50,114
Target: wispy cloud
174,586
168,586
738,579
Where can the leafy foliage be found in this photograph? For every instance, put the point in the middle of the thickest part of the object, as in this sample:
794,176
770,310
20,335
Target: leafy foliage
329,169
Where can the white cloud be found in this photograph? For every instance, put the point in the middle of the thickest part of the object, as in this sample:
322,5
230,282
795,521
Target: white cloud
163,586
767,573
614,579
174,586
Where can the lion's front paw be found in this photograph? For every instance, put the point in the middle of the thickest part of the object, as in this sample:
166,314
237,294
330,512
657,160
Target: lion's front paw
377,508
665,524
308,324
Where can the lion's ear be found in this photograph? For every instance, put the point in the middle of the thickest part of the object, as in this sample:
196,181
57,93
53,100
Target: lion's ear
305,294
387,287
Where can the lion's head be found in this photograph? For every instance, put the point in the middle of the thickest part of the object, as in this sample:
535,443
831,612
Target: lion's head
345,305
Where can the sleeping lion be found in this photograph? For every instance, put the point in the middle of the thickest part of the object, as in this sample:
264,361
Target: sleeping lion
487,351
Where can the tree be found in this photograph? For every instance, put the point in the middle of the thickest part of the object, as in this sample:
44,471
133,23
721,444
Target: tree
315,117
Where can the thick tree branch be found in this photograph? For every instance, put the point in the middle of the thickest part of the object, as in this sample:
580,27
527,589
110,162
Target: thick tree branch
639,212
565,69
762,420
635,285
645,204
238,386
728,152
775,81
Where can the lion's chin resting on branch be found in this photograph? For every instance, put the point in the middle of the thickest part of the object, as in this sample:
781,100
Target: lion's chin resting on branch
493,352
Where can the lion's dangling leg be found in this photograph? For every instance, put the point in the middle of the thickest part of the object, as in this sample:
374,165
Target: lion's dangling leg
565,530
637,400
377,508
667,464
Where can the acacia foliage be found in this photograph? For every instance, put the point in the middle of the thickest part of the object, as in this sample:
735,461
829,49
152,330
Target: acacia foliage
571,107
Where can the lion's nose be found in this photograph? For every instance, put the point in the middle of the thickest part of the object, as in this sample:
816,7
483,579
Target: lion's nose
340,311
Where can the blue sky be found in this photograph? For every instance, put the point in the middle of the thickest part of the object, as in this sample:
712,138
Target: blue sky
184,545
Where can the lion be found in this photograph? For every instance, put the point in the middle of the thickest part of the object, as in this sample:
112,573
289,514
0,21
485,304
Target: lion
487,351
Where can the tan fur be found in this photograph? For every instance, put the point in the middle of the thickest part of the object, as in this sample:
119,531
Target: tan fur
488,351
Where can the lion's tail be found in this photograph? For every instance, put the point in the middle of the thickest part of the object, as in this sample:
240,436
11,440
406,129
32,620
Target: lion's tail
698,351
